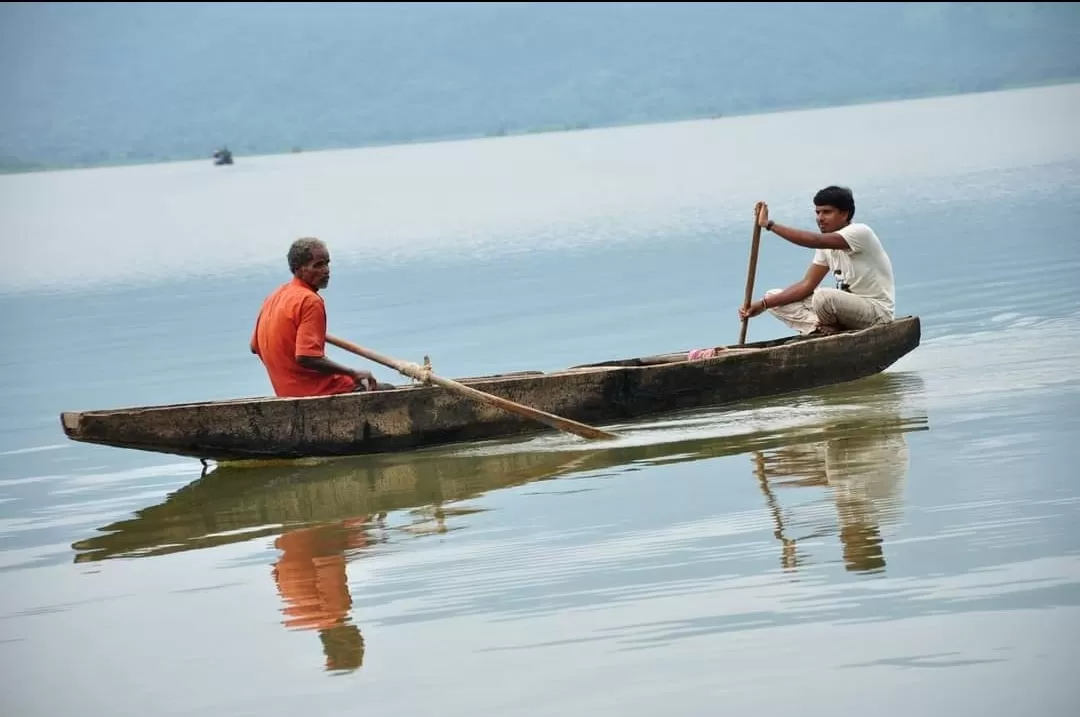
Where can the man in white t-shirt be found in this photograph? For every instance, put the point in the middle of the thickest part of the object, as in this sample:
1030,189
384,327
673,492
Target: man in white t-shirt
865,294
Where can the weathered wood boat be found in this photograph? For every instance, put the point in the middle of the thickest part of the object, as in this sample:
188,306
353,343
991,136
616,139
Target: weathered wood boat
417,416
229,505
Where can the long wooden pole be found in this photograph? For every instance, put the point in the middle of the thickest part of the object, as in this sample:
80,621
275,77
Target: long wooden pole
420,373
751,272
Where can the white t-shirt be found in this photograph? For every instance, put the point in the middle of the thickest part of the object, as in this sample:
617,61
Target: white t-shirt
865,268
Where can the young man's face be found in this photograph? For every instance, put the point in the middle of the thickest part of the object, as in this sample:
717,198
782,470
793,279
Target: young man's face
830,219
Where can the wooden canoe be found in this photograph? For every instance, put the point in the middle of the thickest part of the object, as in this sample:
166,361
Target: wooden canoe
229,505
412,417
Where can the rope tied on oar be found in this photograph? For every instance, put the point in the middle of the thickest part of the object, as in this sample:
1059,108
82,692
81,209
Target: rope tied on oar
415,371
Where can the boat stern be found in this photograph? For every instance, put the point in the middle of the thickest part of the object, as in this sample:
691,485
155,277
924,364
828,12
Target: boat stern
71,421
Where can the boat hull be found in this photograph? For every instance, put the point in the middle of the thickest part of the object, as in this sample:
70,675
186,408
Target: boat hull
414,417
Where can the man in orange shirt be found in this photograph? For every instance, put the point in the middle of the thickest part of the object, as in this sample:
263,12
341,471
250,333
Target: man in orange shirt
290,333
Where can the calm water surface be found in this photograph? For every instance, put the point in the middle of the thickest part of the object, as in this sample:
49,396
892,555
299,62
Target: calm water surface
911,536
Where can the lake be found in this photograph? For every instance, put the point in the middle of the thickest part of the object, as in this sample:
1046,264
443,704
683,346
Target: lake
911,535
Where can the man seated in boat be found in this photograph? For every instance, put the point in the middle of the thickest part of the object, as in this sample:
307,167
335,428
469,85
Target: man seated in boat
864,294
290,332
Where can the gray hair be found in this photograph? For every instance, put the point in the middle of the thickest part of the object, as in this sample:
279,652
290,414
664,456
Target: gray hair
300,252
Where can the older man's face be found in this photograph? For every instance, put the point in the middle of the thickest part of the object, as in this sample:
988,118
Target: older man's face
317,271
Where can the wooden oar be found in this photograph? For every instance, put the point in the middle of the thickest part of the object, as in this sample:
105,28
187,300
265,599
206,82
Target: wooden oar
751,272
424,374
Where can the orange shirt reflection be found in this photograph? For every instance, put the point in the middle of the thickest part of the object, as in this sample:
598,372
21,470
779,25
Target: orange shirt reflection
312,580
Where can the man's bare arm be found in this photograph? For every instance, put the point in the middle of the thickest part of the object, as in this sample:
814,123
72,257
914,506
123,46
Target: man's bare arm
800,289
796,292
811,240
325,365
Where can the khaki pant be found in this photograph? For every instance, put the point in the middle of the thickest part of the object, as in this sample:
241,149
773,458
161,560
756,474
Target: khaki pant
831,308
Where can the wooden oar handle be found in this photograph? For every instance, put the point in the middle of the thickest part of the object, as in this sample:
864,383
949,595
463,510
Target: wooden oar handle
423,373
399,366
750,274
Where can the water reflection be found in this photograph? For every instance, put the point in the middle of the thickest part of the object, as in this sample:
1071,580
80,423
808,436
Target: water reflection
324,517
236,505
846,439
312,581
862,466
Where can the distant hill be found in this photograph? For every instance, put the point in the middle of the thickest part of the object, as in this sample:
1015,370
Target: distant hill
88,84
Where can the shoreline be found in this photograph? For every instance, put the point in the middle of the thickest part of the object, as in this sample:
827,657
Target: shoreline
500,134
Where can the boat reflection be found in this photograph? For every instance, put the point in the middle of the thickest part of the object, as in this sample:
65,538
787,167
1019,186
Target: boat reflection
324,516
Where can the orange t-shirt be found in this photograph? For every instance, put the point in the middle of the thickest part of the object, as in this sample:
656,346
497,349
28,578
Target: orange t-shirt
292,323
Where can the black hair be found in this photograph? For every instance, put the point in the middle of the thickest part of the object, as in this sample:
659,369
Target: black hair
839,197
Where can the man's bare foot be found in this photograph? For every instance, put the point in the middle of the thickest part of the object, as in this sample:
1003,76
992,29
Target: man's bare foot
824,330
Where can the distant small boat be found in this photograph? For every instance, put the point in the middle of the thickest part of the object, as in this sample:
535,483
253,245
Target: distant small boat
223,156
416,416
